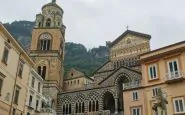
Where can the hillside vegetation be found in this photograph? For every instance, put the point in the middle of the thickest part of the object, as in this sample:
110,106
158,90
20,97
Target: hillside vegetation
76,55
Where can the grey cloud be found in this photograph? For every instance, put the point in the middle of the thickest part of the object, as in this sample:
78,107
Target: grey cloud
92,22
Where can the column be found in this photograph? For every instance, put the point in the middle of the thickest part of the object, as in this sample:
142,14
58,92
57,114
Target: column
86,106
116,105
73,108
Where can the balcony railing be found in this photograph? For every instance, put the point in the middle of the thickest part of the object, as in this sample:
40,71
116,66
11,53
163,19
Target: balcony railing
174,76
30,105
104,112
132,84
48,110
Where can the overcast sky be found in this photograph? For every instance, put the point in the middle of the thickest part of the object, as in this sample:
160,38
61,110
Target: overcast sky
93,22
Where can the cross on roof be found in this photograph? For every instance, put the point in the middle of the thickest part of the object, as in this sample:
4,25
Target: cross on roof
53,1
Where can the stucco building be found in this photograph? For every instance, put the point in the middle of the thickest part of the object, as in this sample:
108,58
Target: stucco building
163,78
35,98
15,68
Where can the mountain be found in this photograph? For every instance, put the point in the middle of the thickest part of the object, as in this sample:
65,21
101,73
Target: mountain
76,55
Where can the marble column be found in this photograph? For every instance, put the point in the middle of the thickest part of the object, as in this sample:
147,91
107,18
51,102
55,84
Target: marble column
116,105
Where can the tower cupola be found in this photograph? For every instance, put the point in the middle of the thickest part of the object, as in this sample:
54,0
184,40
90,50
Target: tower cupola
51,16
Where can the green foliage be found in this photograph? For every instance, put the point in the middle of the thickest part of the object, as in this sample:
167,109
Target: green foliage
76,55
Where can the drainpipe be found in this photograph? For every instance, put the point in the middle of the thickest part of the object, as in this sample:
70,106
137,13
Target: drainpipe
14,85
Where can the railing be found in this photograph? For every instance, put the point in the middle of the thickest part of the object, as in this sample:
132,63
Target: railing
30,105
48,110
174,75
132,84
104,112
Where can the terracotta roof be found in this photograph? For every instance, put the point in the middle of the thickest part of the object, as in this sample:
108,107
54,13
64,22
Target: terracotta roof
130,32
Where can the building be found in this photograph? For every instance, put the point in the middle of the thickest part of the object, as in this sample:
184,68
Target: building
47,48
35,99
104,95
76,80
163,79
15,68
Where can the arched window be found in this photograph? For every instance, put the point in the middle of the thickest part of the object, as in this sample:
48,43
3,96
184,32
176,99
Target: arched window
97,105
63,109
42,71
45,42
80,108
69,108
93,106
48,22
76,108
89,106
83,107
39,24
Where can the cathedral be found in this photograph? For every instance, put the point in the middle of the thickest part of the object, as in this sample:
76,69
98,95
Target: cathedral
78,93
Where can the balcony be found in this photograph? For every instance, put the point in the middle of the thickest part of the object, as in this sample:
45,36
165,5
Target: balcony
132,84
30,105
48,110
176,76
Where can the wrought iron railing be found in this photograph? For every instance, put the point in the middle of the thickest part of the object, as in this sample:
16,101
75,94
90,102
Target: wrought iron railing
174,75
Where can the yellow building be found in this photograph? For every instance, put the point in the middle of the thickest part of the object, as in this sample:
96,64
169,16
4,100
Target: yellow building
15,68
161,90
163,72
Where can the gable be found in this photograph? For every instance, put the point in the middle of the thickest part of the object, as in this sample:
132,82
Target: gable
129,32
73,73
120,72
129,40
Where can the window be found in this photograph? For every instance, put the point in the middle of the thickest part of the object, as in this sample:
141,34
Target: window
152,71
16,96
5,55
13,112
45,44
20,70
42,71
30,101
135,96
39,87
155,92
78,81
136,111
37,104
48,23
178,104
33,82
173,68
45,41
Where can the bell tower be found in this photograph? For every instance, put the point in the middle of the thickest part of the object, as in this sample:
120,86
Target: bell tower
47,47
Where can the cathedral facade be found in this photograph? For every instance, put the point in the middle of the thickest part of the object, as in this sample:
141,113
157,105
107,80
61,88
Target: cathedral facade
79,94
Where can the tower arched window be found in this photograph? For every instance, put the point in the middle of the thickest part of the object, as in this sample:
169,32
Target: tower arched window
48,22
42,71
45,41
